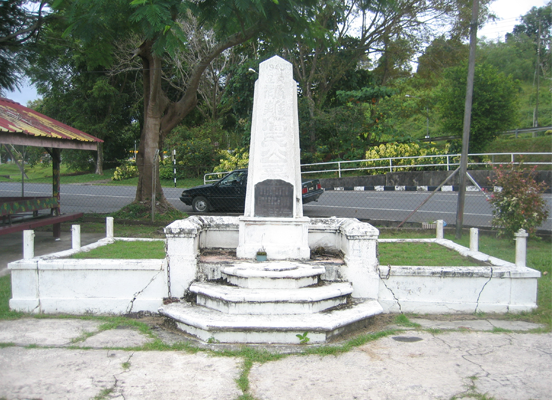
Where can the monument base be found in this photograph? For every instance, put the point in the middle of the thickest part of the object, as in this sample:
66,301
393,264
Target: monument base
280,238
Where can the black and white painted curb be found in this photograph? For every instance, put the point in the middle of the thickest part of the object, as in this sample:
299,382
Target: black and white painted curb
412,188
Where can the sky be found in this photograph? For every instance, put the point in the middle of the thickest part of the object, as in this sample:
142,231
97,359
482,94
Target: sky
508,12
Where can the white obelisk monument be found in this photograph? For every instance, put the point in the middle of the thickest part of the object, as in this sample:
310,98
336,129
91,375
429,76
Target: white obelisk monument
273,220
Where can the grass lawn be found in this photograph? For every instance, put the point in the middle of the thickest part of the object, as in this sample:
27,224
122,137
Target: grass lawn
126,250
42,173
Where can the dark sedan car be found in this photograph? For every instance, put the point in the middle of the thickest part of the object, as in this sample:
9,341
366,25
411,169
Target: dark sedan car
229,193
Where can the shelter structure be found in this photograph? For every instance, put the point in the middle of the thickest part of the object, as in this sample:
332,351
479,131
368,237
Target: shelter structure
21,125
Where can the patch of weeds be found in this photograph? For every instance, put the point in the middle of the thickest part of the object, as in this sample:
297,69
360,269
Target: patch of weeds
82,337
104,394
212,340
355,342
480,314
434,331
250,356
496,329
303,339
117,322
125,365
32,346
472,393
5,295
403,320
3,345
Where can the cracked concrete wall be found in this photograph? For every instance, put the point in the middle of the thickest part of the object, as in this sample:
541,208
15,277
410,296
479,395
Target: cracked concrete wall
88,286
446,290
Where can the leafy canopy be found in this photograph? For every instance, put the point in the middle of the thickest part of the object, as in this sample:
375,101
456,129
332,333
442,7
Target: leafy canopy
494,106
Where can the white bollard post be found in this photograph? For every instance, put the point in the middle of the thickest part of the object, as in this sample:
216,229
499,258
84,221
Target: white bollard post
521,247
76,237
28,244
474,239
440,224
109,227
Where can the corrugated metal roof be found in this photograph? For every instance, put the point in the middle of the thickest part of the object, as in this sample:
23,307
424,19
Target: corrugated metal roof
19,119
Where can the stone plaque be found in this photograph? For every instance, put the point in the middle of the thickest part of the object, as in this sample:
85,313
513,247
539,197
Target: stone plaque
274,198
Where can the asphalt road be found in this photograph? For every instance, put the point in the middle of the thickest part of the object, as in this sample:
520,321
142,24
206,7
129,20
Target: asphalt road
368,205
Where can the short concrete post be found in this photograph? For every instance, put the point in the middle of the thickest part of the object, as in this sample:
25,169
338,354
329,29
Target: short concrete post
28,244
109,227
76,237
440,224
474,239
521,247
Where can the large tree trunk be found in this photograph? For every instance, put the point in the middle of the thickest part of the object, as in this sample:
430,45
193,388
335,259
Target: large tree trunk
99,159
155,104
161,115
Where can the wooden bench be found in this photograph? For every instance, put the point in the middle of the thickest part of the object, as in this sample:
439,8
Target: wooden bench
21,213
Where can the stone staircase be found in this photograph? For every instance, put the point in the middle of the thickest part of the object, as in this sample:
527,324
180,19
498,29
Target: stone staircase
269,302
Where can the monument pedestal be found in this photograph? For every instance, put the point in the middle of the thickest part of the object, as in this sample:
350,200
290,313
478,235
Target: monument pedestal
280,238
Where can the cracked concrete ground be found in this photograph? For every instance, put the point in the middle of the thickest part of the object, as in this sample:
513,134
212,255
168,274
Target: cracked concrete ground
45,361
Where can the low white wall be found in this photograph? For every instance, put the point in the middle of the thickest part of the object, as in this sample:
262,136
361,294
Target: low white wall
500,287
51,284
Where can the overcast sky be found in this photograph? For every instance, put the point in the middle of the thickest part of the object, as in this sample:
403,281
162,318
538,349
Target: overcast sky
508,12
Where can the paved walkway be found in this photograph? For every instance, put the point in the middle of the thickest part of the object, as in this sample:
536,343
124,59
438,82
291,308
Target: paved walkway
75,359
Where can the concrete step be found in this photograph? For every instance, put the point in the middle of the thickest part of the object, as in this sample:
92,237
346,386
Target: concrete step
273,275
237,300
214,326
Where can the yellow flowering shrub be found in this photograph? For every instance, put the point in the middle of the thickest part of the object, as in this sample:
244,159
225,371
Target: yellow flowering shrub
392,150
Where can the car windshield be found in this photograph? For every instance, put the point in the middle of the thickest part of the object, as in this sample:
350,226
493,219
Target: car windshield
236,178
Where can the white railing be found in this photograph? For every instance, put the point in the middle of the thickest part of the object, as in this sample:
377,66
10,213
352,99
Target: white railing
392,163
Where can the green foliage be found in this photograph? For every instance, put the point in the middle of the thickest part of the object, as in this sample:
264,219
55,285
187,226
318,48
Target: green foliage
194,158
303,338
390,150
442,53
231,160
124,171
519,204
5,295
514,57
494,107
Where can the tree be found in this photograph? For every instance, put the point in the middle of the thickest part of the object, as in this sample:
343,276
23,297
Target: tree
158,25
20,22
351,34
441,54
87,98
494,106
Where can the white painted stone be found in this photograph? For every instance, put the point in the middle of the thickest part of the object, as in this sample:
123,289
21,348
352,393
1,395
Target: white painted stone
280,238
28,244
474,239
109,227
439,229
88,286
236,300
228,328
274,150
273,275
274,225
75,237
521,247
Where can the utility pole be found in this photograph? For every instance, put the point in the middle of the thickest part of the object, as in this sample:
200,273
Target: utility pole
537,72
467,122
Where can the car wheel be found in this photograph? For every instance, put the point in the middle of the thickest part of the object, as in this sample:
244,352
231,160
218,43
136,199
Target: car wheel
200,204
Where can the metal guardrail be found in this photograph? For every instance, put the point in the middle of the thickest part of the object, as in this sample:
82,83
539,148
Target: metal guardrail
392,164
